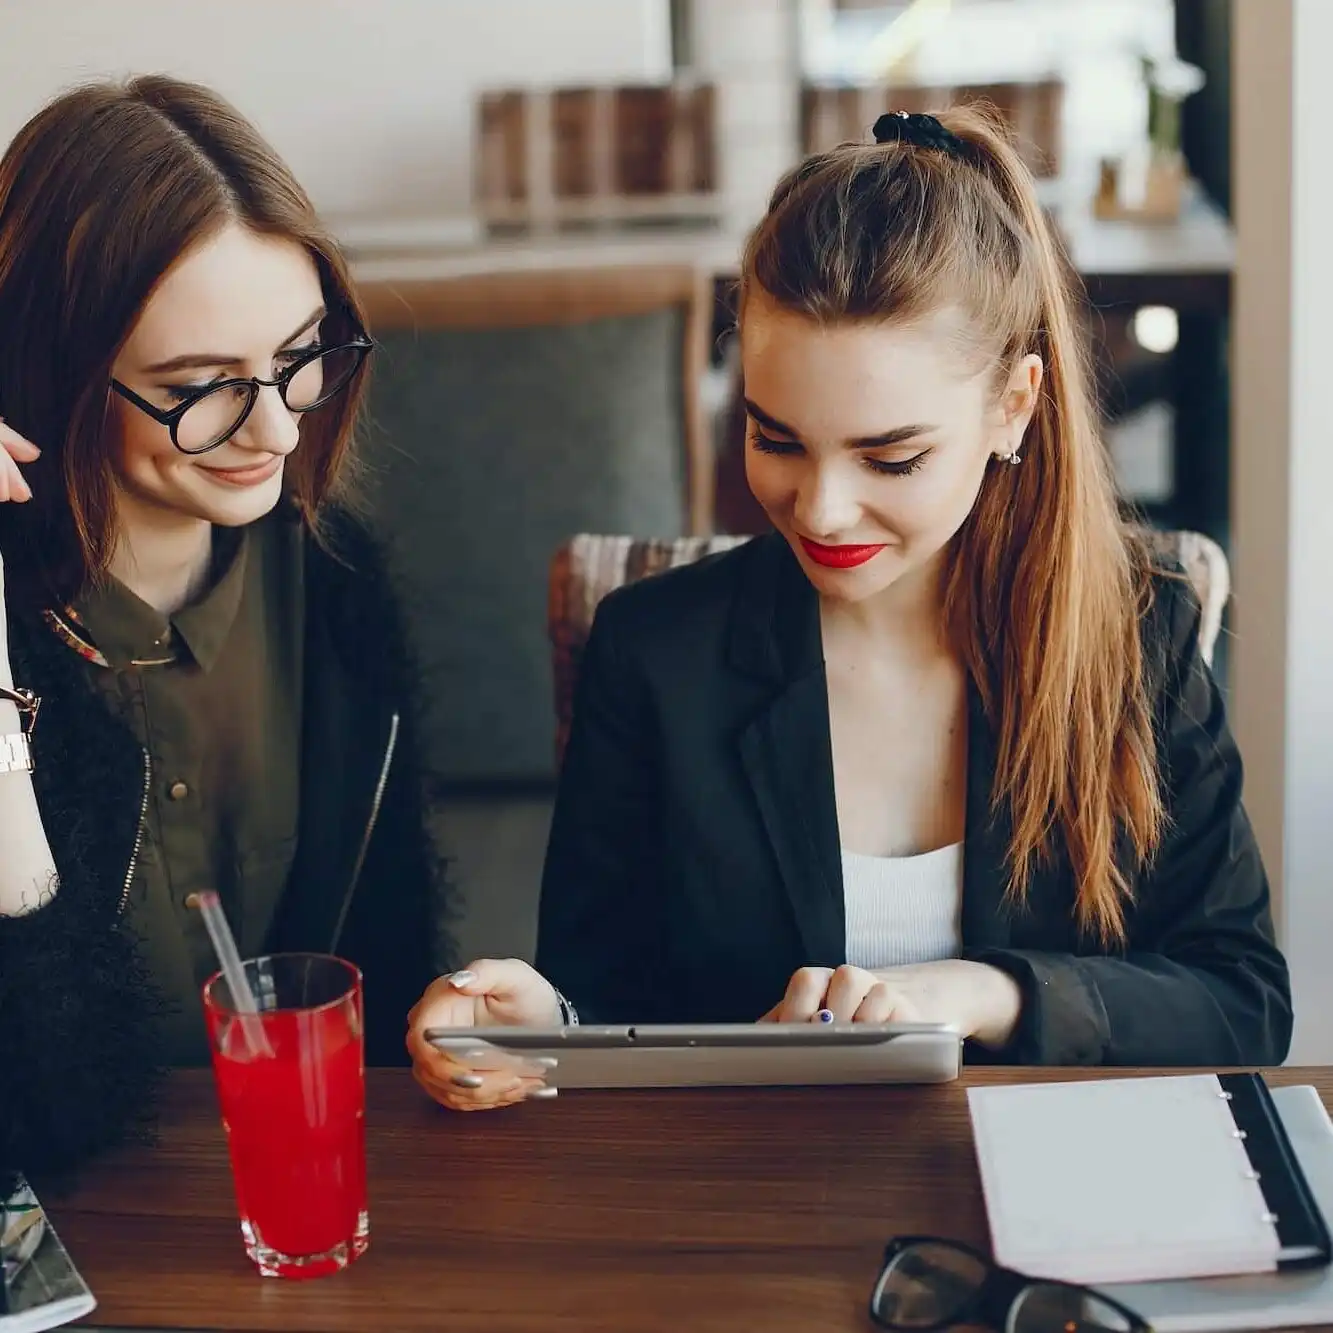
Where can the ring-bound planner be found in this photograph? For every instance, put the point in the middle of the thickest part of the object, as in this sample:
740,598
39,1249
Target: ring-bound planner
1142,1179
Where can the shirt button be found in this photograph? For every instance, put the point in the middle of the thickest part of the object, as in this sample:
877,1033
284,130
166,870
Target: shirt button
178,791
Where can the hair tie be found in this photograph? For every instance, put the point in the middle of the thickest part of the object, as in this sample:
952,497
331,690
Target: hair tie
921,131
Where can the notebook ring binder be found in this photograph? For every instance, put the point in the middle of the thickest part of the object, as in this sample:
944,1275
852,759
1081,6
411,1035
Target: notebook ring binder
1290,1206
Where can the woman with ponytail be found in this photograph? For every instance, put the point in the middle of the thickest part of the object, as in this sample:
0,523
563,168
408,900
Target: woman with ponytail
943,745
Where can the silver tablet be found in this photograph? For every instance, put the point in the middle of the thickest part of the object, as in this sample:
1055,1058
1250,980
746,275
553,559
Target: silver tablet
713,1054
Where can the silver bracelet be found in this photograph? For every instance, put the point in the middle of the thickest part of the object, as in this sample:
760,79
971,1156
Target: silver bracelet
15,753
15,748
569,1016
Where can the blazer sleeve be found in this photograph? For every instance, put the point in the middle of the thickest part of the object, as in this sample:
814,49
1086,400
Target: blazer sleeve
1202,981
80,1042
399,923
78,1036
596,936
395,926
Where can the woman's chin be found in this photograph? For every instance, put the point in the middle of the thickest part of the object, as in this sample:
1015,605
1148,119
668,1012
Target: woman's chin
247,505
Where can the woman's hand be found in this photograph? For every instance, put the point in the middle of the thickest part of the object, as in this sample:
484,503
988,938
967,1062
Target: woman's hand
14,449
491,992
981,1001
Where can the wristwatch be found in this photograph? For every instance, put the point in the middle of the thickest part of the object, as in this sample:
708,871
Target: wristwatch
16,748
569,1016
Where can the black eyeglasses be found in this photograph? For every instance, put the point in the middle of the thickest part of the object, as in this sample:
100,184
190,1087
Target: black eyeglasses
927,1284
208,416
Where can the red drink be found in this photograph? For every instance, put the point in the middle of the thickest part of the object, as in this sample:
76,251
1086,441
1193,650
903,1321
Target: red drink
291,1084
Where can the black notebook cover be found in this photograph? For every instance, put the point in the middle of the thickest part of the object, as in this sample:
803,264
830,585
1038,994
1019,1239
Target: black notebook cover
1300,1224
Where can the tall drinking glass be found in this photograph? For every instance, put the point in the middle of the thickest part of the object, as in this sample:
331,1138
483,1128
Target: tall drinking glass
291,1081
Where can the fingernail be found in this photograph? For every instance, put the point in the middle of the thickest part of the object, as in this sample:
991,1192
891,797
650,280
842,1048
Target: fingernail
825,1015
466,1080
463,978
546,1061
475,1055
542,1094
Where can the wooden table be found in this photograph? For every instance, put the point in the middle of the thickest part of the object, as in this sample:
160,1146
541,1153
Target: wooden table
626,1211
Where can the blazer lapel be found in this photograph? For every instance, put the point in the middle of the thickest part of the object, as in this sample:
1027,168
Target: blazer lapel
984,919
785,749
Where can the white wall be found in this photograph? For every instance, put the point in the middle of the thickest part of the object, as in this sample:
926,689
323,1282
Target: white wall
370,101
749,49
1283,476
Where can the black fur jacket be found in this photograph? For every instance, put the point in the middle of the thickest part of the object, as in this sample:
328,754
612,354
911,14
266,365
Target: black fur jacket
78,1049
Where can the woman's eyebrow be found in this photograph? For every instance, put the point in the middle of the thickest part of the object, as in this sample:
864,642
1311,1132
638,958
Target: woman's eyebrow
205,360
885,439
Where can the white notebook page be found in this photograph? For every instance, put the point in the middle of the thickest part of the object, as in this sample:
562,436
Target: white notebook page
1119,1180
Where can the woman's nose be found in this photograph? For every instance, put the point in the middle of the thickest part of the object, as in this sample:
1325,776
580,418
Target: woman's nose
826,504
272,427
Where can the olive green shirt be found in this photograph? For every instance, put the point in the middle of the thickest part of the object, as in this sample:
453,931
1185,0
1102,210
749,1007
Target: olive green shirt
221,724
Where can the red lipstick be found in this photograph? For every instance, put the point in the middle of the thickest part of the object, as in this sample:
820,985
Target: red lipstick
840,557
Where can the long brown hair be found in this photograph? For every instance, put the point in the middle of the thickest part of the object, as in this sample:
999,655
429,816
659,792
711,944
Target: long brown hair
1045,586
100,193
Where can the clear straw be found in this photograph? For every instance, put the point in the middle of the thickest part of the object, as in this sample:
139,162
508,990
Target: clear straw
229,958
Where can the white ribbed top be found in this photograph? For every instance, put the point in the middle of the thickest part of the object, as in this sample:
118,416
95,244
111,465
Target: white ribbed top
902,909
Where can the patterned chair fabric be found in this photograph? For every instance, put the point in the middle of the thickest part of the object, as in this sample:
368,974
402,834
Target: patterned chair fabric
589,566
584,570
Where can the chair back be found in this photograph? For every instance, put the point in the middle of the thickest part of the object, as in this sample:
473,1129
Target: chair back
1209,574
507,411
583,572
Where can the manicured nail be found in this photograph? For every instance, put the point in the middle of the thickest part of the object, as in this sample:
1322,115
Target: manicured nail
546,1061
463,978
466,1080
825,1015
543,1094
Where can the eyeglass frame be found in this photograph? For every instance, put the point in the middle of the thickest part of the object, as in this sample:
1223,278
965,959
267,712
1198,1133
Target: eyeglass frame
999,1289
360,343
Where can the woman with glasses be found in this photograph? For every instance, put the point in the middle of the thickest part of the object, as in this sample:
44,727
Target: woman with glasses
202,674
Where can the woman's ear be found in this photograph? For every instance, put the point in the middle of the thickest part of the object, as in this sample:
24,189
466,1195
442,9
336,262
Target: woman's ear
1018,401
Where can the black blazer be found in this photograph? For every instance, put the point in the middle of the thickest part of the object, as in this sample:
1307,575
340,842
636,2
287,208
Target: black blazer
694,859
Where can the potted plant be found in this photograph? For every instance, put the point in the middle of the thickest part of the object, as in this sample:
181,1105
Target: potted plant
1148,185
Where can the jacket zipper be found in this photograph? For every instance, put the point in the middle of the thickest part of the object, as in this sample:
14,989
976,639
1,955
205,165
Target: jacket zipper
138,834
375,804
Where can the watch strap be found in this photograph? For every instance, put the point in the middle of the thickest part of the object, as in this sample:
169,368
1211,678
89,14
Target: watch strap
569,1016
15,753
